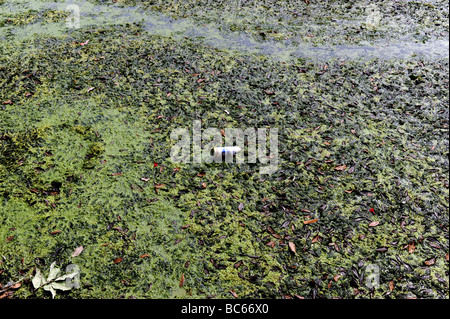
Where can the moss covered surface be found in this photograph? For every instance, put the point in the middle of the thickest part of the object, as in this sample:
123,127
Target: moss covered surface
85,161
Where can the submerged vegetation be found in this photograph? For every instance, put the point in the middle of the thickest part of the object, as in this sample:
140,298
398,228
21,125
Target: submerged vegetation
85,144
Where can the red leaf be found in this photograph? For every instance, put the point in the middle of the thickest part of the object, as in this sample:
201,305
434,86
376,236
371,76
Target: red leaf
155,164
372,210
182,280
306,222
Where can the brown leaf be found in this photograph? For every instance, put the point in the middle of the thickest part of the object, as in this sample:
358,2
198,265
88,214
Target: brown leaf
306,222
336,277
446,257
233,293
145,179
159,185
204,185
271,243
292,247
8,239
144,256
77,251
316,238
118,260
430,261
373,224
55,232
391,285
340,167
16,285
7,102
182,280
411,247
241,207
269,92
116,174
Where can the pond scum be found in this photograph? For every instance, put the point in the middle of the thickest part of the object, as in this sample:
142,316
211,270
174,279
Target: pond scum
362,175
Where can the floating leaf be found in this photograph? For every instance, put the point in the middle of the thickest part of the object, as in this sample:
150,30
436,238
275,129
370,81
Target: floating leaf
54,272
430,261
411,247
391,285
271,243
340,167
77,251
182,280
38,279
292,247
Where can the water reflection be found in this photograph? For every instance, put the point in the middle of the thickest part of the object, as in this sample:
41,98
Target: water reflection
159,24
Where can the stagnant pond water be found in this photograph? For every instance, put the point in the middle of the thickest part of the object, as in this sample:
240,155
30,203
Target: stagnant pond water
159,24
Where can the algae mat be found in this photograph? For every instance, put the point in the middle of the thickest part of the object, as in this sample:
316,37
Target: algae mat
357,208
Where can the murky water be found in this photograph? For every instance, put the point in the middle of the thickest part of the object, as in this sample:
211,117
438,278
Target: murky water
159,24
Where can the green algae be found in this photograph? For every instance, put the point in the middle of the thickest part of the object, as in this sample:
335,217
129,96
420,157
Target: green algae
93,119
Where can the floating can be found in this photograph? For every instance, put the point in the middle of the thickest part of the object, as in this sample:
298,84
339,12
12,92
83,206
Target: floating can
222,151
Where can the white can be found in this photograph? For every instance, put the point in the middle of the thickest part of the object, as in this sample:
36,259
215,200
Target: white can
220,151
